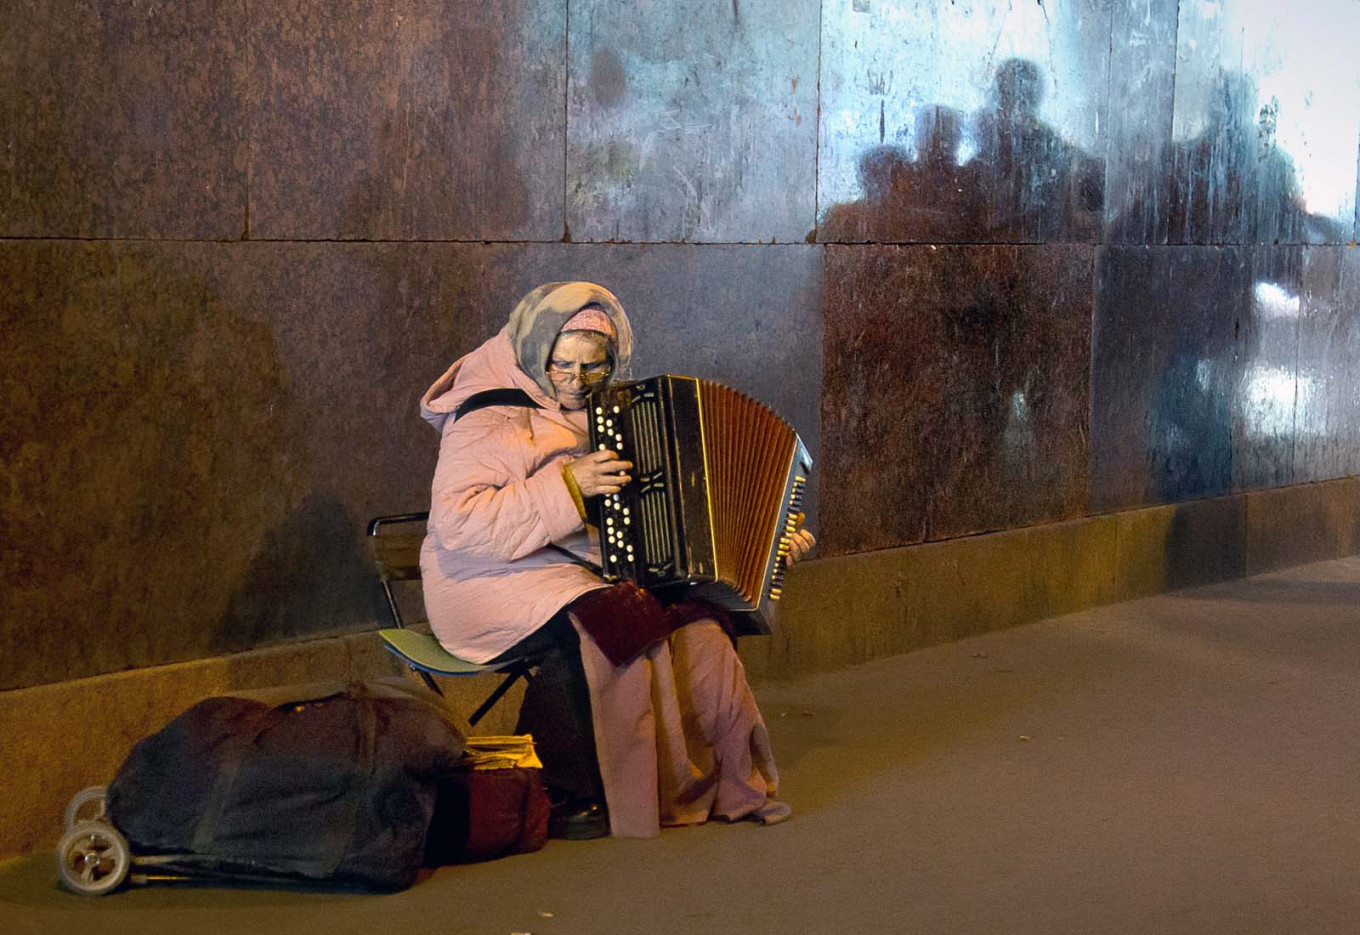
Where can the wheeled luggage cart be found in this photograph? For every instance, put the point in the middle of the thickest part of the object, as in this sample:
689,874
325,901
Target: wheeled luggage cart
94,858
331,784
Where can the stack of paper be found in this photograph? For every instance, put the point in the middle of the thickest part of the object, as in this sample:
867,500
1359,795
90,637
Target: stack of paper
500,752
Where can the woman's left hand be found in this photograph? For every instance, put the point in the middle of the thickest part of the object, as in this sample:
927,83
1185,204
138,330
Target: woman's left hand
801,543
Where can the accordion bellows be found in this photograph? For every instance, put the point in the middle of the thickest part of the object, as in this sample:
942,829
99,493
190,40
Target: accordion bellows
718,485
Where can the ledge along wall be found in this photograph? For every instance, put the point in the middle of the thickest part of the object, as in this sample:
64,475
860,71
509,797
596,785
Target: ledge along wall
1062,297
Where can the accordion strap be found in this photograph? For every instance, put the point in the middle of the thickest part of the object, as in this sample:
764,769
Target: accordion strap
497,397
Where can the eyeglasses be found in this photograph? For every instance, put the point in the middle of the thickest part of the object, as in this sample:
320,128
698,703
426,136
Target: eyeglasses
588,374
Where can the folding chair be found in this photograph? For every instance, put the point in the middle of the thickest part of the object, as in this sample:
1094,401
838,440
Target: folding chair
395,542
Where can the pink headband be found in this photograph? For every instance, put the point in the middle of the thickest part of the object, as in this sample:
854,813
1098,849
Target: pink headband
590,319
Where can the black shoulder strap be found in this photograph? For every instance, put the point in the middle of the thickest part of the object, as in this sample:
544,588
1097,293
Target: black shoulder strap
576,559
501,397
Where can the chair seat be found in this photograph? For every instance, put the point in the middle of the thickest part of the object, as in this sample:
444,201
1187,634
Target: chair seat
395,542
424,652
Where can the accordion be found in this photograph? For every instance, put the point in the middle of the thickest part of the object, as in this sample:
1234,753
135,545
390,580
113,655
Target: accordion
717,488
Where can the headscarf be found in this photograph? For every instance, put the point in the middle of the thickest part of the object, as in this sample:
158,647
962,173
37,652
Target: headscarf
538,319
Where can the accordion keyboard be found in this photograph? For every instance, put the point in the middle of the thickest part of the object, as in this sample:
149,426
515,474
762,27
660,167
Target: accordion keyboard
718,482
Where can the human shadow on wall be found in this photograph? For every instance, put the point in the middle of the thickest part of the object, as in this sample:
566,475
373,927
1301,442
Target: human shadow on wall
1234,183
309,577
1223,359
986,338
1203,547
1024,183
1231,183
1035,187
150,399
1224,363
926,197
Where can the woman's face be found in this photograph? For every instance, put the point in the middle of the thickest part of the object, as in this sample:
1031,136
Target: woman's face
579,360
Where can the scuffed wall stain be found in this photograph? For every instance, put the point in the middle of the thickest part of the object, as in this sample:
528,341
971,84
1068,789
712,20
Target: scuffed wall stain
710,108
608,81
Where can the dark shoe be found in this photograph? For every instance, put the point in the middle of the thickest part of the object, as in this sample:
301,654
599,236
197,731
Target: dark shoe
578,820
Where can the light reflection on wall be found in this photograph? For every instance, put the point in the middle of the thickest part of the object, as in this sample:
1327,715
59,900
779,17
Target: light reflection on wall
1018,437
883,65
1274,301
1269,401
886,62
1301,61
1275,400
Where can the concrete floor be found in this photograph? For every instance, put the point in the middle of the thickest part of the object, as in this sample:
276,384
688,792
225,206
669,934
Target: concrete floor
1184,763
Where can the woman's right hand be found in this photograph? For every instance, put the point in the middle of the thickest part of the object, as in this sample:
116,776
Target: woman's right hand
600,472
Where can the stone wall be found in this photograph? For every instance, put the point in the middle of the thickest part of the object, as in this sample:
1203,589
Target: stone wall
1003,265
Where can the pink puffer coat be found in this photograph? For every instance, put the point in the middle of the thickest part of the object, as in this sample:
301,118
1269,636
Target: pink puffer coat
497,500
678,734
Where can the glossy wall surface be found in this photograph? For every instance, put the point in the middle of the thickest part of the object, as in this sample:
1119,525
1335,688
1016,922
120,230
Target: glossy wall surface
1000,264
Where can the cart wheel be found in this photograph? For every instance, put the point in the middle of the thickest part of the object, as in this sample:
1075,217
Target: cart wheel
93,858
90,804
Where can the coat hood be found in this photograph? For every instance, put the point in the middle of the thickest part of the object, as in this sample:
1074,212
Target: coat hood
517,357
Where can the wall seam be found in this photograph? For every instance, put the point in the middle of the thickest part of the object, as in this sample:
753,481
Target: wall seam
817,137
1298,338
1109,80
566,120
1171,117
250,116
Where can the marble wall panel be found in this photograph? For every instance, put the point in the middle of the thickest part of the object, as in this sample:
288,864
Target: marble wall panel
419,119
692,121
1131,299
1268,343
142,411
1302,524
1267,117
197,433
1328,410
956,391
1142,94
1167,368
123,120
963,121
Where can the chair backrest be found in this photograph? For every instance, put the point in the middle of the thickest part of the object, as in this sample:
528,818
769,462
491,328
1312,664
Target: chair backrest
395,542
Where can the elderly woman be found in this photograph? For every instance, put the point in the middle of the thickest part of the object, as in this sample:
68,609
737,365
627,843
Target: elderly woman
641,712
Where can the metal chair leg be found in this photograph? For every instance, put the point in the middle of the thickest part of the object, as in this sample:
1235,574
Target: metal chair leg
496,696
430,683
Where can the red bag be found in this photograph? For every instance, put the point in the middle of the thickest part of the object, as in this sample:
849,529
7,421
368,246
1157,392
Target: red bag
482,814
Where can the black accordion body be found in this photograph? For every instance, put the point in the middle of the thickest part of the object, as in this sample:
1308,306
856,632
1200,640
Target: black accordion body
717,486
